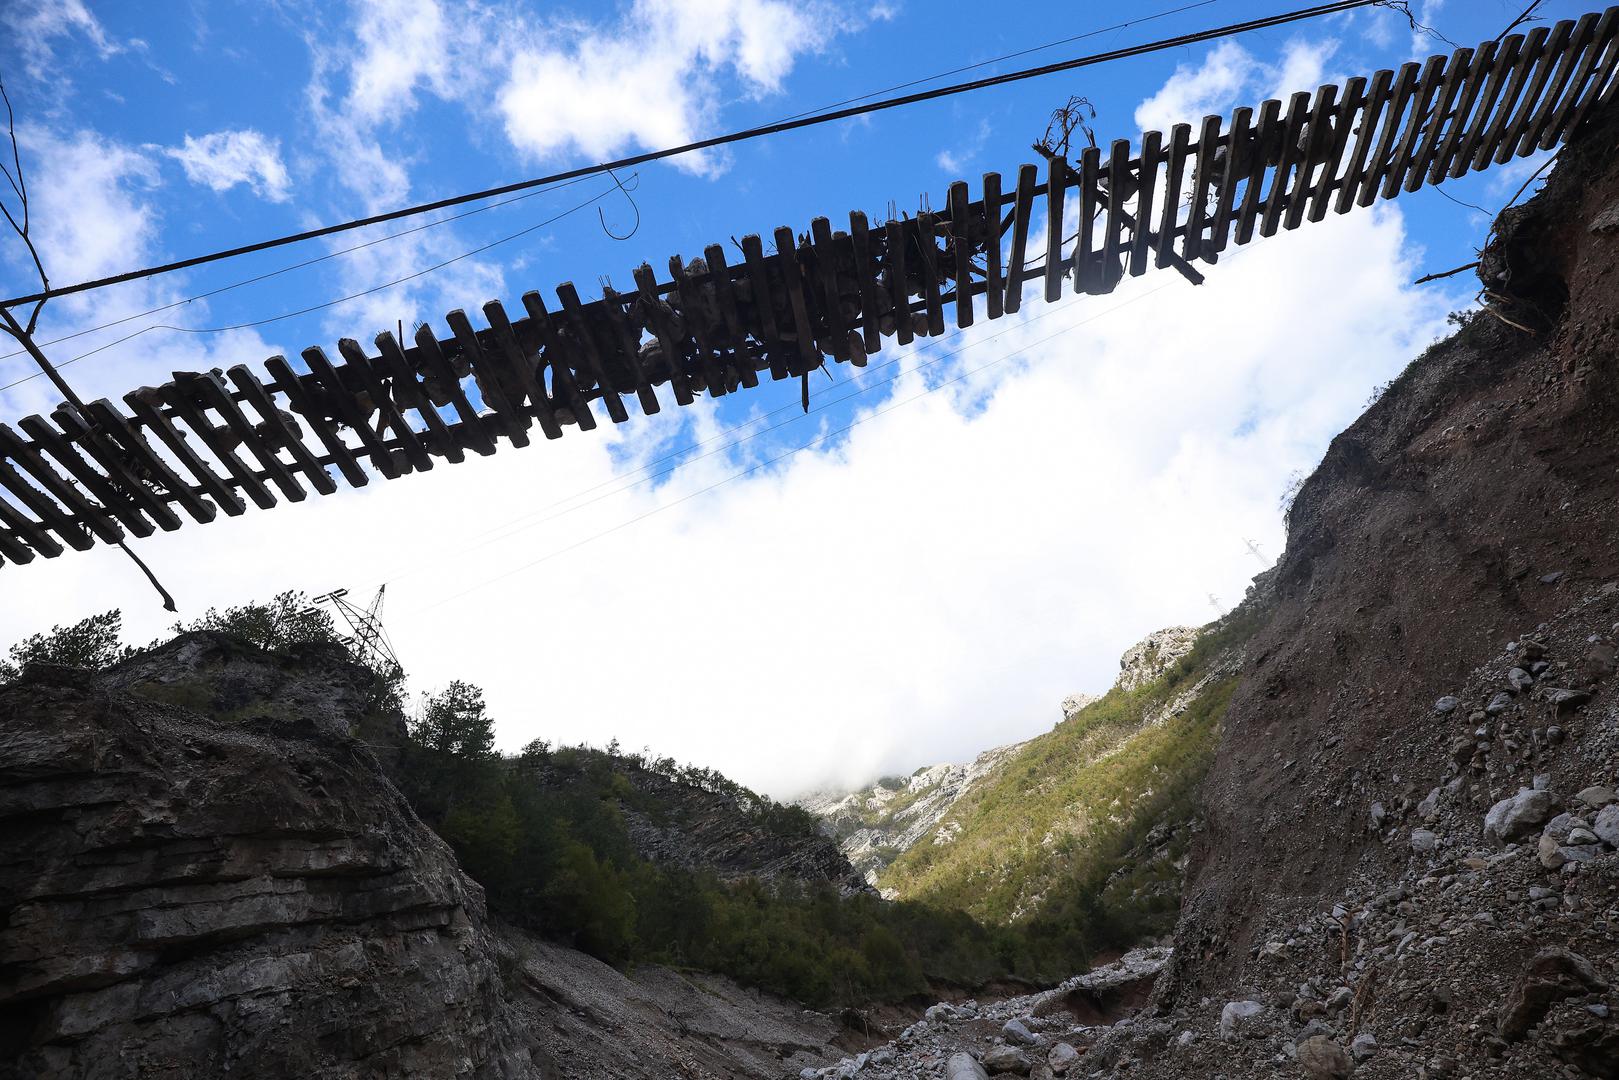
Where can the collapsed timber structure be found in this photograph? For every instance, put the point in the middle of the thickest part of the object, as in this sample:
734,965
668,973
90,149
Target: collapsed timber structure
207,442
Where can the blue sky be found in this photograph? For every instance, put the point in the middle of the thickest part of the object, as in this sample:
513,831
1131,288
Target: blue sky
925,585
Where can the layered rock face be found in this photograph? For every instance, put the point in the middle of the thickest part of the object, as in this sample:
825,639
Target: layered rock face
205,873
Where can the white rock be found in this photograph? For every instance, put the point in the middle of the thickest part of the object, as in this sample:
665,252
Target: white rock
1597,796
1364,1046
1423,841
1446,704
1235,1015
942,1013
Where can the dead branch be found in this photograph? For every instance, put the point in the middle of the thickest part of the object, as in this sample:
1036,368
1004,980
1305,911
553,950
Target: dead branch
19,185
1448,273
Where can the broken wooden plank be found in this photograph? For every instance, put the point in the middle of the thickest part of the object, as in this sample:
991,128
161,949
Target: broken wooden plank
105,491
1372,117
180,396
1600,88
376,387
1441,120
147,405
26,453
629,338
595,362
826,266
691,309
1022,210
408,394
764,304
1230,177
215,396
1604,45
119,450
564,386
21,537
658,318
297,394
1473,83
53,518
348,409
255,394
524,367
509,419
1421,120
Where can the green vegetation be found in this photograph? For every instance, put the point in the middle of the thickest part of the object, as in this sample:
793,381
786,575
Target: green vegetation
92,643
1040,842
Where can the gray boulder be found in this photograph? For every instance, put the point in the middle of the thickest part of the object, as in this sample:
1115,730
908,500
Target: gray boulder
1606,825
1018,1033
1236,1015
1515,817
1007,1059
1061,1057
964,1067
1323,1059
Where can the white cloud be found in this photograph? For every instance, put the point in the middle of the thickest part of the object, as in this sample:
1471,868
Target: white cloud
36,24
600,90
1231,75
222,159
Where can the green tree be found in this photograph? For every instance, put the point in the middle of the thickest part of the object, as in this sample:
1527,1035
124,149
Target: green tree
288,619
92,643
455,721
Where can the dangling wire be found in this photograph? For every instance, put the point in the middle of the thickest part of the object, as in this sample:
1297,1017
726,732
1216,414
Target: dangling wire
633,206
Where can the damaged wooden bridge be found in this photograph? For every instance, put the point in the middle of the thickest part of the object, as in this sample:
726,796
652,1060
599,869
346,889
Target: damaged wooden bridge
207,442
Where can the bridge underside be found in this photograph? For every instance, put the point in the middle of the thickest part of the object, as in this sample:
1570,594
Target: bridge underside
207,442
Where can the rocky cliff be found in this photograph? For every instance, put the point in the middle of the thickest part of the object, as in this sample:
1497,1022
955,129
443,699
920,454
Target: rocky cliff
206,871
228,884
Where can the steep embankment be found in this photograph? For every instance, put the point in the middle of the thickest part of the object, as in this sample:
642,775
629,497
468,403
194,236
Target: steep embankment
1409,867
204,869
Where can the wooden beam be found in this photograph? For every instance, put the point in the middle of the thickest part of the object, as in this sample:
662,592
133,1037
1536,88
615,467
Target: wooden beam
523,367
1022,210
146,404
254,393
288,382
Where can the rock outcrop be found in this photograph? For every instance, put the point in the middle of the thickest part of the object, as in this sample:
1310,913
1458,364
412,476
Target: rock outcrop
229,885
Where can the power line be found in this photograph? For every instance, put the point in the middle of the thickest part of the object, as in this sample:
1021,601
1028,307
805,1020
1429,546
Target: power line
283,270
325,304
1180,41
529,195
